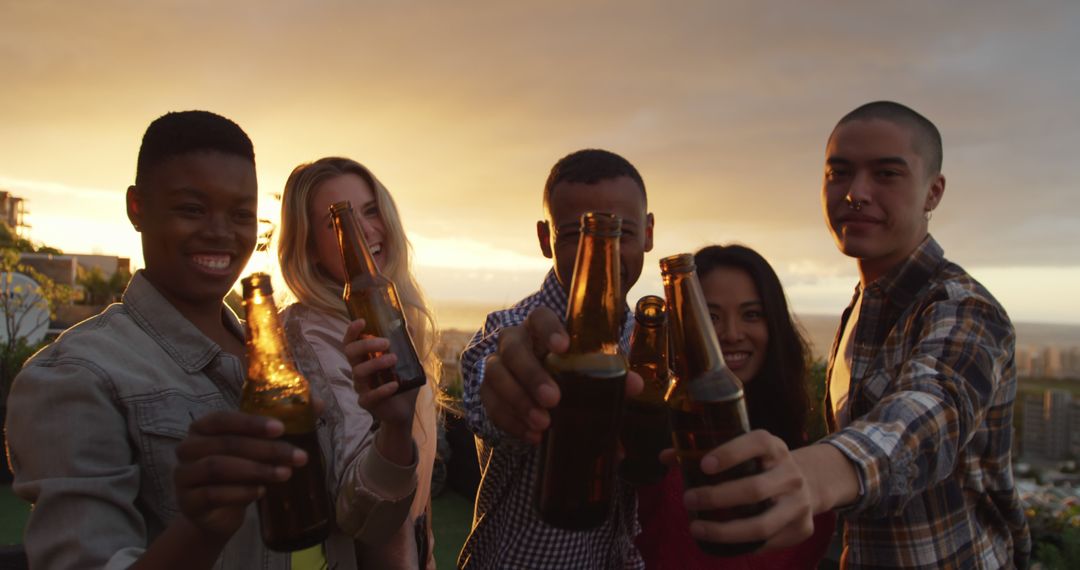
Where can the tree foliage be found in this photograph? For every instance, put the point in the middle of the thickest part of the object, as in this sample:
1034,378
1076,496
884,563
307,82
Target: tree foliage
9,240
101,290
18,304
1055,529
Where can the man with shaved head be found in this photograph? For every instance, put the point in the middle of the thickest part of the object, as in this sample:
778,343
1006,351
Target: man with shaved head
921,382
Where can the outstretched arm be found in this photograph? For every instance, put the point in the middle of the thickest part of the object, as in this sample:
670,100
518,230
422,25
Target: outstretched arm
948,385
800,483
507,389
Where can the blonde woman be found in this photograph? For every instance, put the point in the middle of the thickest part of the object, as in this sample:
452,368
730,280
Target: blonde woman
383,445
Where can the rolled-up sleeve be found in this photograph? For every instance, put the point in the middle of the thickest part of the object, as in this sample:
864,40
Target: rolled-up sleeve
69,450
934,404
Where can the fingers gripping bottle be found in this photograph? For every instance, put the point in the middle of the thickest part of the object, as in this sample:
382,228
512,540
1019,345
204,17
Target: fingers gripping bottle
577,467
294,514
705,398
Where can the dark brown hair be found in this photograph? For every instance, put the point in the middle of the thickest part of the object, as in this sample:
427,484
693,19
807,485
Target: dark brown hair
778,398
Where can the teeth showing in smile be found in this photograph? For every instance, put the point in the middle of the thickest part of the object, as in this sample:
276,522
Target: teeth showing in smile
217,262
375,249
731,357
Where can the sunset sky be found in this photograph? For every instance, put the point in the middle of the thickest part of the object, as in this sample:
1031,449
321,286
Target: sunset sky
462,107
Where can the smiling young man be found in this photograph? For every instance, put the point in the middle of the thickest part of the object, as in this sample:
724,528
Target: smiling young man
507,392
921,382
123,432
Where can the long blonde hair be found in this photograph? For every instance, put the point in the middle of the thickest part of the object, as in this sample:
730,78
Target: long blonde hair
315,288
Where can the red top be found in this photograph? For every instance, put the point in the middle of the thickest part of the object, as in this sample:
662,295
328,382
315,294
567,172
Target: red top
665,542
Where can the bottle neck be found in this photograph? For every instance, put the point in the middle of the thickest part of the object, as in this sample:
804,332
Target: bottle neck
268,357
649,343
594,308
696,347
355,254
649,358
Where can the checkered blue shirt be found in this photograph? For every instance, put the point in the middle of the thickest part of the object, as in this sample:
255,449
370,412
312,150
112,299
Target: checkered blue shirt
507,531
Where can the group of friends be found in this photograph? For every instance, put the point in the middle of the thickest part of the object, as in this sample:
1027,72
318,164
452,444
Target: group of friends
125,436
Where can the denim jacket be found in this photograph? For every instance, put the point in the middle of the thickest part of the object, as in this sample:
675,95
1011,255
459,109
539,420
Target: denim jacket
93,423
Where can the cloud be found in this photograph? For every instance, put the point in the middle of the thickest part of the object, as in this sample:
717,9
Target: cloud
467,254
462,108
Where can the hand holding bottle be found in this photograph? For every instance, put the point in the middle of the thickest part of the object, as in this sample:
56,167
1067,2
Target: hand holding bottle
518,391
799,483
368,355
225,463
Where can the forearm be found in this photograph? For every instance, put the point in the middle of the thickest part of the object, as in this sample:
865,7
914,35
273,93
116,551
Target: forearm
377,491
832,478
182,546
395,444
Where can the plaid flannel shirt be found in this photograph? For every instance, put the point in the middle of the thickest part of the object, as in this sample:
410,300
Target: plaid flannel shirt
933,381
507,531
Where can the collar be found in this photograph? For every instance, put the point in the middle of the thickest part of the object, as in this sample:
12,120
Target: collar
901,285
185,343
555,298
553,295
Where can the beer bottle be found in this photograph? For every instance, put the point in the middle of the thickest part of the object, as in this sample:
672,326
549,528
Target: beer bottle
645,431
576,471
371,296
294,514
705,398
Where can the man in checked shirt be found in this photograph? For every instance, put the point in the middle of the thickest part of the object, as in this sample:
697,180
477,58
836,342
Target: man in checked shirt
507,392
921,382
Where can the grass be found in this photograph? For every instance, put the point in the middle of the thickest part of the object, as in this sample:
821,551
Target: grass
13,514
451,520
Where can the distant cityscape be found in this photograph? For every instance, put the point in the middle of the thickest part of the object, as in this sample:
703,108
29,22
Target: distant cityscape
1049,425
1048,362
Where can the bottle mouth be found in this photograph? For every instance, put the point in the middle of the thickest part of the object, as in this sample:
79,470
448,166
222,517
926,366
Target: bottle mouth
651,310
341,206
601,224
257,282
678,263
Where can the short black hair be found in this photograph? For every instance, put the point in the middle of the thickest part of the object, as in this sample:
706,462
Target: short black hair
927,138
590,166
183,132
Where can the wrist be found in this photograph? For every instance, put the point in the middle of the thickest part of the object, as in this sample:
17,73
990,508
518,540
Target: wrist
395,443
396,429
832,479
200,535
183,544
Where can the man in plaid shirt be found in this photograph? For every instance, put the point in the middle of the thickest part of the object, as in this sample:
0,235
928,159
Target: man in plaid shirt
507,392
921,382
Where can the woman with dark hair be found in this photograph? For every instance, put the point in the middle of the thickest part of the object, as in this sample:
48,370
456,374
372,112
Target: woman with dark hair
763,347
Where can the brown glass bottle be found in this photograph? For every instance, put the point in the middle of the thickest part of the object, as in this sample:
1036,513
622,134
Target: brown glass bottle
705,398
294,514
645,430
577,467
371,296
